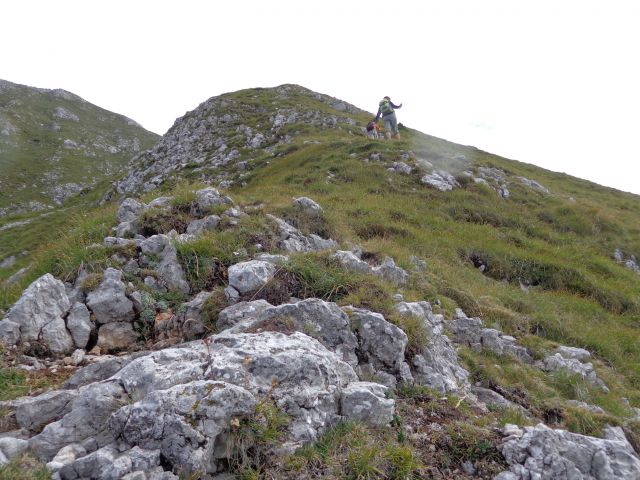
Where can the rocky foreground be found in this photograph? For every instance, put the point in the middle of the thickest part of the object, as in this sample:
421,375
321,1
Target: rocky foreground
173,404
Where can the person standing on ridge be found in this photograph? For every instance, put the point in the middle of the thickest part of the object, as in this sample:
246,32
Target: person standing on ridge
386,109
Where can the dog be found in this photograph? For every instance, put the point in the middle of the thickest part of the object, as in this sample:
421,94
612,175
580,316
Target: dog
373,130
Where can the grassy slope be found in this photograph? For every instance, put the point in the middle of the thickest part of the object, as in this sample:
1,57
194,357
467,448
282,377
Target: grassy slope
398,216
33,159
562,243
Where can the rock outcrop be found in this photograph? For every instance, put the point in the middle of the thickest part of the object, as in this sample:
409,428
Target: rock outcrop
109,302
38,316
179,404
159,253
572,366
542,452
387,269
202,139
440,180
470,332
292,240
436,365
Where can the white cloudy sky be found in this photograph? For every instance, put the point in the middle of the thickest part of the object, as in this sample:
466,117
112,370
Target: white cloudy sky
554,83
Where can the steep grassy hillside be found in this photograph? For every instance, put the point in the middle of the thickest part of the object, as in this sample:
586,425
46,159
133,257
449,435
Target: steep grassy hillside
54,148
537,263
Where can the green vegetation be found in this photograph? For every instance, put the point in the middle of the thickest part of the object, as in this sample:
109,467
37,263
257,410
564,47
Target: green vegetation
15,382
39,121
34,159
25,467
253,438
353,451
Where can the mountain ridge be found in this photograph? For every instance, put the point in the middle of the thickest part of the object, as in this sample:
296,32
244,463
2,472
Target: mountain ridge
52,136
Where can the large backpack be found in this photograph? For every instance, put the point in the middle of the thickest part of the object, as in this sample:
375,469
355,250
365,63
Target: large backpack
385,106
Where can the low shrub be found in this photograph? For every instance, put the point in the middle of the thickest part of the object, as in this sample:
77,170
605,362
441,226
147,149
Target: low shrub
91,282
212,306
417,334
157,221
548,276
317,275
253,439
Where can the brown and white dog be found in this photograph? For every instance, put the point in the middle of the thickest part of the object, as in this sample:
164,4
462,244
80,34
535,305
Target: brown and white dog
373,130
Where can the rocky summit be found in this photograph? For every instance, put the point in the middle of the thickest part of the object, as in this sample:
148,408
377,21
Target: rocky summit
268,293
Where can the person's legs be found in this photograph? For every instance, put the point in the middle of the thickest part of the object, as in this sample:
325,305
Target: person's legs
388,125
393,121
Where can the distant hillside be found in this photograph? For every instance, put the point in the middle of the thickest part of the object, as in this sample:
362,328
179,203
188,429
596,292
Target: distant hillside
54,145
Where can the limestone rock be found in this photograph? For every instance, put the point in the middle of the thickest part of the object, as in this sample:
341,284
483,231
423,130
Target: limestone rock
307,206
440,180
586,406
158,400
542,452
33,413
86,421
573,352
116,336
533,184
130,210
126,229
160,203
494,400
250,276
206,224
324,321
207,198
351,261
382,342
144,459
571,366
103,464
277,260
12,447
367,402
469,331
79,324
189,317
390,272
66,456
78,356
109,302
44,301
292,240
103,368
437,364
9,332
401,167
161,255
56,336
184,422
240,312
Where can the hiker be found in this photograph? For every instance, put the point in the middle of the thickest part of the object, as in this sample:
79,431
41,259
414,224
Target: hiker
373,130
386,110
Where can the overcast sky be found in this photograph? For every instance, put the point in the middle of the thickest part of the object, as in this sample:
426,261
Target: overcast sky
553,83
